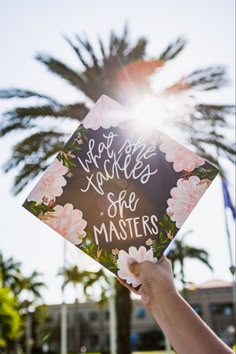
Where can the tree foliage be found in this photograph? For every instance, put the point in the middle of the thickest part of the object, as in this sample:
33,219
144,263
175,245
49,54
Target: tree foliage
181,251
10,321
18,293
121,70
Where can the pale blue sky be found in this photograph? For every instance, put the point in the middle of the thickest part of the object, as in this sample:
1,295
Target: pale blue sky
28,27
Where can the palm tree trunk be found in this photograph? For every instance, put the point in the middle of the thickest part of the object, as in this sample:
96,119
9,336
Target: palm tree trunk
101,324
112,318
28,333
63,348
183,278
77,323
77,327
123,312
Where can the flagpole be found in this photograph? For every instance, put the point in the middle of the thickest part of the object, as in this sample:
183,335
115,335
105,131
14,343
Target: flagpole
228,204
112,311
167,346
232,267
64,310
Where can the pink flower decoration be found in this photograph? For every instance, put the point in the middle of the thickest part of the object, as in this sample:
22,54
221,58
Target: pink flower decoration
184,159
50,185
106,113
184,198
124,259
68,222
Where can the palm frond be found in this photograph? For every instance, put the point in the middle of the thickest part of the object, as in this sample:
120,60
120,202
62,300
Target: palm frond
27,173
20,118
211,149
78,52
202,80
230,157
27,113
122,43
63,71
200,254
215,114
35,148
39,284
119,44
219,144
173,49
102,48
74,111
207,156
204,260
21,93
112,43
65,283
7,127
210,78
31,156
137,52
89,50
216,108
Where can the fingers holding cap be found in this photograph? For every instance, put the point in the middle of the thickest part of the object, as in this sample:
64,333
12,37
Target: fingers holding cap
134,267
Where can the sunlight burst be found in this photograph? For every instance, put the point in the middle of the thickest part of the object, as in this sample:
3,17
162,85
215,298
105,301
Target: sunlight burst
162,112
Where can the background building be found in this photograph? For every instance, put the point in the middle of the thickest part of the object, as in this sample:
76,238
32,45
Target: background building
88,323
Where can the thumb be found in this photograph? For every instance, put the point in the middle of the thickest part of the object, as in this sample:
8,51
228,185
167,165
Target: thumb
134,267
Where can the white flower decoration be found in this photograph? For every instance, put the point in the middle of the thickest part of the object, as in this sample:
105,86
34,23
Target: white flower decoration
183,159
106,113
50,185
68,222
184,197
124,259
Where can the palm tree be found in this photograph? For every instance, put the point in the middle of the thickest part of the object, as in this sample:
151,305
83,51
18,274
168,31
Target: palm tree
9,272
181,251
31,286
120,70
10,321
91,287
72,275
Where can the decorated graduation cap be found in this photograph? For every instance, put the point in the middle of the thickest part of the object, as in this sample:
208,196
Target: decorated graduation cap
116,192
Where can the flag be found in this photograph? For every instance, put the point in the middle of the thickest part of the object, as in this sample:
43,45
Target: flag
227,199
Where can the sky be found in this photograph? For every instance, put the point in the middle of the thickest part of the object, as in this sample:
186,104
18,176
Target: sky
29,27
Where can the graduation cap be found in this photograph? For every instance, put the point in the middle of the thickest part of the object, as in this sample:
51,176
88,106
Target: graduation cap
116,192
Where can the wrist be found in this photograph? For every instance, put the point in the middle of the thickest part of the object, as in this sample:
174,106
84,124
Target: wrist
161,305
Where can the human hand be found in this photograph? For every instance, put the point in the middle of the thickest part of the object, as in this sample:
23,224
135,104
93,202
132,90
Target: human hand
157,281
175,317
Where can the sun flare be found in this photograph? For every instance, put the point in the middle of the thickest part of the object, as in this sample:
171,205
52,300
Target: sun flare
161,112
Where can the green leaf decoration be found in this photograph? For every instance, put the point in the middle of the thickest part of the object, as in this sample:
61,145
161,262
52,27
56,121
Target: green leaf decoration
68,155
167,230
203,173
167,225
108,261
88,245
67,160
37,209
159,247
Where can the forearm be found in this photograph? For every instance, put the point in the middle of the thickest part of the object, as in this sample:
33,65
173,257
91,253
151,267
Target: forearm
185,330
